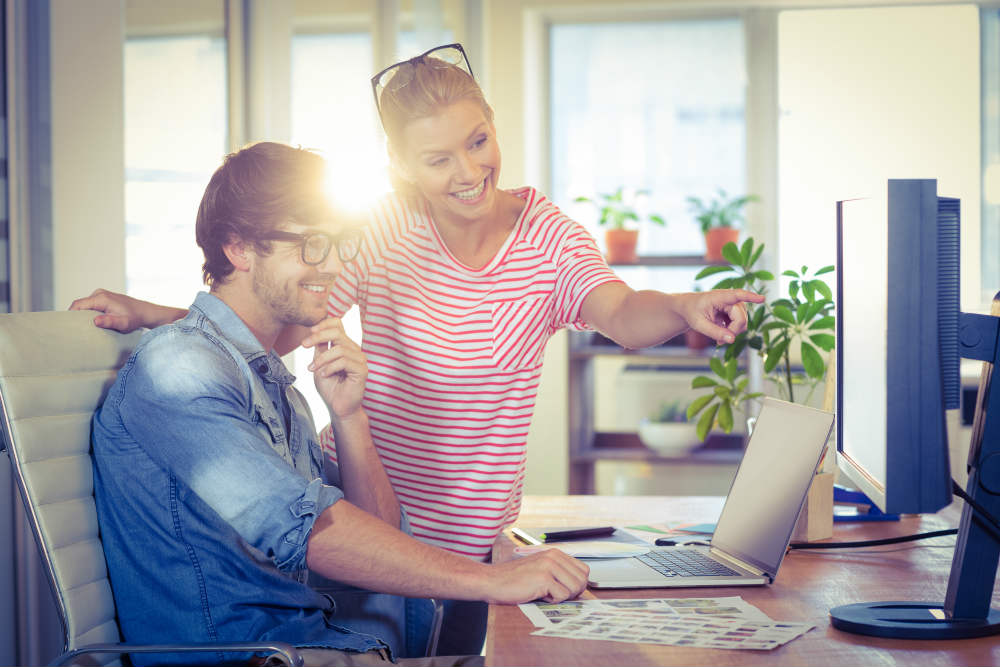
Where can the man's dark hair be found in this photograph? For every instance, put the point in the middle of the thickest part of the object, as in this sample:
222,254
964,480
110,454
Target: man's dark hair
257,189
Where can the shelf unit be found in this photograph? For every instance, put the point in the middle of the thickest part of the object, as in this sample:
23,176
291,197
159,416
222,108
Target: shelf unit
587,445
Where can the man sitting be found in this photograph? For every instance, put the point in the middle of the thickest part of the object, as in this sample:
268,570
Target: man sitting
214,498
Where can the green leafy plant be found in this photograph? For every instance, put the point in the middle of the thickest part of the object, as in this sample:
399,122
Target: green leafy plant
803,320
616,208
719,211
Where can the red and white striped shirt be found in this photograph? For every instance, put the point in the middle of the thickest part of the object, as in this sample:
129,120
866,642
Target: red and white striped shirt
455,355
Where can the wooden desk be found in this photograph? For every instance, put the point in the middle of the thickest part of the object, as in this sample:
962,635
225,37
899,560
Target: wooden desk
808,585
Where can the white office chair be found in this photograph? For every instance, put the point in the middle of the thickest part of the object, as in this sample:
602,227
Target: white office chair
55,370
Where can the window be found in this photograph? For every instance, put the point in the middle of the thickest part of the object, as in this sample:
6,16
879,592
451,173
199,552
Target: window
175,137
656,106
333,112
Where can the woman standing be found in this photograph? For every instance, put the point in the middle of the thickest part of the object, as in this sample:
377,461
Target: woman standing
460,286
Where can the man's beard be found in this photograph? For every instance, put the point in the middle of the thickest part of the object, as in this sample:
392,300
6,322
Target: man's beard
284,301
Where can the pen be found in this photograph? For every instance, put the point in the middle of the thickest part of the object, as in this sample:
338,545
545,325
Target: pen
576,533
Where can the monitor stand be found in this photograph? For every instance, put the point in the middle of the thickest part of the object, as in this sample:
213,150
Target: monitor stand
911,620
842,495
966,610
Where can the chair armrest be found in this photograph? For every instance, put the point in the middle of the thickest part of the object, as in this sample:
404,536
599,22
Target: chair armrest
287,652
435,633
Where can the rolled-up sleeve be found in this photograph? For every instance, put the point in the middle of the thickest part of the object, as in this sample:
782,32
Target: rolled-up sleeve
187,408
579,270
316,497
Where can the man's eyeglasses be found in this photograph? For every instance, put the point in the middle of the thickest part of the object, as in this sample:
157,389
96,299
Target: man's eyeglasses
399,75
315,246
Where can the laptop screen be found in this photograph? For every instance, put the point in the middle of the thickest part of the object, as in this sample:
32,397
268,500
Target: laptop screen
771,484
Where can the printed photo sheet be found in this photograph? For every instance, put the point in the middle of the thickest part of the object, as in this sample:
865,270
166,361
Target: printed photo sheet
728,623
643,628
544,615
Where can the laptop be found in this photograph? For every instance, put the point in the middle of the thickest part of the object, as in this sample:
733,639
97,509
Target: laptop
757,520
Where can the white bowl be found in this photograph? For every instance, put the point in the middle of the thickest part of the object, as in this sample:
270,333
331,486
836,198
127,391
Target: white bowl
668,438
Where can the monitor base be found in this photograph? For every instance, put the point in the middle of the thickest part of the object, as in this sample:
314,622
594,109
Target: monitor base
865,509
911,620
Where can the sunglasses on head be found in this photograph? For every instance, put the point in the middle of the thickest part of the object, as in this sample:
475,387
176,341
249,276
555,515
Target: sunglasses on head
395,77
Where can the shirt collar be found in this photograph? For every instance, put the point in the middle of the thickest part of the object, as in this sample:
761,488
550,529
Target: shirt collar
266,364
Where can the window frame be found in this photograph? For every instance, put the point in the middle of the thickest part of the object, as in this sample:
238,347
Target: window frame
761,109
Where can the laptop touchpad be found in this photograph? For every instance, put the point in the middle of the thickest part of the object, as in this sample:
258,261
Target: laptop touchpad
617,569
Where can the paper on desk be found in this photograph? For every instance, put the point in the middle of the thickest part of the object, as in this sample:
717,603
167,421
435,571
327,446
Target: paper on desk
671,529
546,614
588,549
643,627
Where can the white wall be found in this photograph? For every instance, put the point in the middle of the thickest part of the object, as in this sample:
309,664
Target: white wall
88,173
872,94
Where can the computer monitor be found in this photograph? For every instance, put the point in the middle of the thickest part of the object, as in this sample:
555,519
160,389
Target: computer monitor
900,336
897,335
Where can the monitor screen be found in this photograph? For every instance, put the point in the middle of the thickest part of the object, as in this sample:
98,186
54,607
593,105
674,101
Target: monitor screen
864,346
897,353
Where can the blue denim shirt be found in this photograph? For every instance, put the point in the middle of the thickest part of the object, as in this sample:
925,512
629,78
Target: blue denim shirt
205,499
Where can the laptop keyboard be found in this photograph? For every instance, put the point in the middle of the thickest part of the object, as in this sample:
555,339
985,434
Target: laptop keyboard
685,563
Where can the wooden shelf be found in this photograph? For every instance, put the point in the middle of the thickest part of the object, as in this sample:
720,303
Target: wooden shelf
587,446
716,456
681,356
671,260
626,446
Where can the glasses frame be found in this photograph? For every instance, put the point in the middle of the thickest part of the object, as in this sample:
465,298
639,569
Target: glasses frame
348,234
377,87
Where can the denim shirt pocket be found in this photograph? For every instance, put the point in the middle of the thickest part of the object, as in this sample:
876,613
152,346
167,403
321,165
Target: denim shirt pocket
317,458
270,424
306,432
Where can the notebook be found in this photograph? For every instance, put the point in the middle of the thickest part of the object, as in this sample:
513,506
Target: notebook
758,517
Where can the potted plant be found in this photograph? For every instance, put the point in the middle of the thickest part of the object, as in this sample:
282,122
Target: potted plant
697,341
616,211
720,219
801,321
668,431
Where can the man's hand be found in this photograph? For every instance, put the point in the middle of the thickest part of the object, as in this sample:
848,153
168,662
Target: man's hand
719,314
124,313
550,575
338,366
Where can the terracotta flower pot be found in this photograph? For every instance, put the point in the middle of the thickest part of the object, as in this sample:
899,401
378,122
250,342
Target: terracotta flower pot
620,245
715,238
695,340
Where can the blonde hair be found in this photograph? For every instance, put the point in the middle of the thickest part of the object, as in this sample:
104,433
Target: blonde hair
429,88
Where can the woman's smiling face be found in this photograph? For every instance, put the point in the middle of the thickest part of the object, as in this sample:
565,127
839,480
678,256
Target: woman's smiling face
454,161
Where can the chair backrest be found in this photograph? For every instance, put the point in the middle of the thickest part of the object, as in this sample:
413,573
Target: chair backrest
55,370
